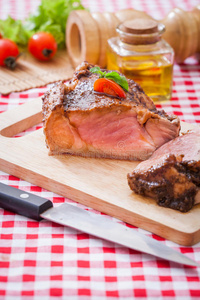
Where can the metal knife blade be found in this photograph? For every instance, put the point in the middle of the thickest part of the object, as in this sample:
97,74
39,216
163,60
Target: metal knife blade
36,207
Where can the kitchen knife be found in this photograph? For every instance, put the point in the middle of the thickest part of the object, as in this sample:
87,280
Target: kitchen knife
37,208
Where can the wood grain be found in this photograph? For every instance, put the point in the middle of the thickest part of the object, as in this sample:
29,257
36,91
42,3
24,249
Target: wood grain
97,183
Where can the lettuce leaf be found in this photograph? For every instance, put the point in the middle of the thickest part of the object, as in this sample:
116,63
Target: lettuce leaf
14,30
50,16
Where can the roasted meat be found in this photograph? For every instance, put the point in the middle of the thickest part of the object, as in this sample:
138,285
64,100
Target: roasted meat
80,121
172,174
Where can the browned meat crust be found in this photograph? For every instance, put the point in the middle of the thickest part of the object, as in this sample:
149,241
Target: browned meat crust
172,179
78,94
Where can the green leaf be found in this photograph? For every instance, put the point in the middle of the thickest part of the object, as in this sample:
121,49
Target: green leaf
97,70
121,80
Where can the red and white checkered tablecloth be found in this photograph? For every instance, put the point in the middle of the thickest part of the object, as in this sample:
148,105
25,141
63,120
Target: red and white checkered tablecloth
48,261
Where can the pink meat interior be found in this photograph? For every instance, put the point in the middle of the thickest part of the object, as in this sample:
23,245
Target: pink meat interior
117,130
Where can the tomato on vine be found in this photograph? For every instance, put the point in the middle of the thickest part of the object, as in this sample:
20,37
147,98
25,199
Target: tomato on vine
9,52
42,45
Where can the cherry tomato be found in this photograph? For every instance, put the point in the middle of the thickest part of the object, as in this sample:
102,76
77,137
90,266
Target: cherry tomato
110,87
8,53
42,45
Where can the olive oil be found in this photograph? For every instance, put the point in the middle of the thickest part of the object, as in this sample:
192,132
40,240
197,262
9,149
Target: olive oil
150,65
153,73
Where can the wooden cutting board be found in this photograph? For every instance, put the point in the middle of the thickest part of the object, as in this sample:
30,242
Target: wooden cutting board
98,183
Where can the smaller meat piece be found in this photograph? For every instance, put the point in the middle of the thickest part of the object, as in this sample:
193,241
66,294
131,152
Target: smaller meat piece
172,174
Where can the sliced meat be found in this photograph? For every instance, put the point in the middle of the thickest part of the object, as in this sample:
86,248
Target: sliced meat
80,121
172,174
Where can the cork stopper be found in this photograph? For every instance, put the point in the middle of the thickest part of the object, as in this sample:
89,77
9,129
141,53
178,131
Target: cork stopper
140,31
140,26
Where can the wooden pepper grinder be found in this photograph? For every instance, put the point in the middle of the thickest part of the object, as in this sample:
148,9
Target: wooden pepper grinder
183,32
87,33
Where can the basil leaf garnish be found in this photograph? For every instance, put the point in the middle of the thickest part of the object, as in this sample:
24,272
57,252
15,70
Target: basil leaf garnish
121,80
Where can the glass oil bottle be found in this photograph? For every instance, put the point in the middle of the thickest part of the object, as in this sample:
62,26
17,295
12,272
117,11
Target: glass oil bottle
141,54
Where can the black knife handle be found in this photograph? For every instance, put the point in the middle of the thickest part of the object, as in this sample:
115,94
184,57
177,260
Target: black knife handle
23,203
